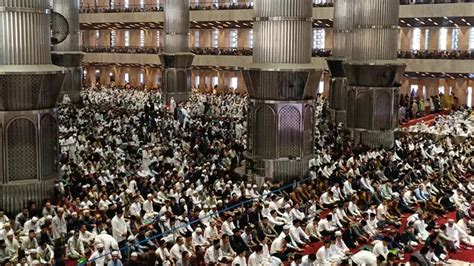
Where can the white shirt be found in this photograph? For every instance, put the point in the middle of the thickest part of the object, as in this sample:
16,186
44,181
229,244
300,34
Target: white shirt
119,228
100,257
241,261
257,259
177,250
227,228
380,249
296,233
365,258
323,257
212,255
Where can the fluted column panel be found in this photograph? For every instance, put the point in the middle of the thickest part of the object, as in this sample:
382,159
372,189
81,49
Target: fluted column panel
376,29
20,44
176,26
343,28
282,42
70,10
176,58
378,44
283,8
29,89
282,31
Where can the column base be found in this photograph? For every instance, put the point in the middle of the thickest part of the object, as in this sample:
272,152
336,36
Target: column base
277,170
177,96
15,196
74,96
338,116
374,139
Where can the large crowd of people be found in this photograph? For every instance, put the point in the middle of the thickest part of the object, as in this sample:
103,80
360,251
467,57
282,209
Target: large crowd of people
458,124
412,106
151,183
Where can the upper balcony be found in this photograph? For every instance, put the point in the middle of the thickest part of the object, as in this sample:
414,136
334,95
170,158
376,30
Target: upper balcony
442,13
459,62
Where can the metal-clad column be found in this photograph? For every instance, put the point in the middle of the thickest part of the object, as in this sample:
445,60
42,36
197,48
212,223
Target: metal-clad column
342,51
68,53
29,89
282,85
374,74
176,59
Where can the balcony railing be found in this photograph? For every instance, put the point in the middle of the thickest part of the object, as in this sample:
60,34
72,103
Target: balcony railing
247,51
227,5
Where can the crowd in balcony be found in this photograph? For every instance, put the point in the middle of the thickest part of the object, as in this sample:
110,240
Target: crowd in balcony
222,51
246,4
120,8
123,49
432,54
412,106
247,51
222,6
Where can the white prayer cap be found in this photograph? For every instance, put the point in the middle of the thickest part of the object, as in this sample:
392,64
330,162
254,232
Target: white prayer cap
115,253
10,233
100,245
35,262
163,219
182,200
34,219
150,195
199,230
33,250
249,185
49,217
131,238
254,186
287,206
338,233
134,254
205,207
286,227
213,206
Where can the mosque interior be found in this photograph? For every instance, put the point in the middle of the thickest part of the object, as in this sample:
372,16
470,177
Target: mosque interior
236,132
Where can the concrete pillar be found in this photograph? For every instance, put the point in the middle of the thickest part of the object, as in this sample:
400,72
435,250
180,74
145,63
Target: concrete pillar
282,85
68,53
373,73
176,58
30,86
342,51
